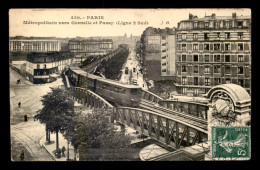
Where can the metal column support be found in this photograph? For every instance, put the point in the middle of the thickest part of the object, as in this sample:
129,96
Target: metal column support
188,137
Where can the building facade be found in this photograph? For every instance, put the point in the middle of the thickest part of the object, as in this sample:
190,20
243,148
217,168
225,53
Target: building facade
45,67
29,44
157,53
90,46
213,50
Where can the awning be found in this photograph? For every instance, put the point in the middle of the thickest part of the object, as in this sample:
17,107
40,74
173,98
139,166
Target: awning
54,75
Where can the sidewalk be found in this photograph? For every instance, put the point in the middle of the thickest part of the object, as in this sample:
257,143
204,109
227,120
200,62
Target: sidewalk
50,147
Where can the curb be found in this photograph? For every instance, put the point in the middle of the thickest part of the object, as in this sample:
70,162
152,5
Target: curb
43,146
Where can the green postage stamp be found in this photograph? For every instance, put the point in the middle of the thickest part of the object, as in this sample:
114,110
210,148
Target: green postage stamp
231,143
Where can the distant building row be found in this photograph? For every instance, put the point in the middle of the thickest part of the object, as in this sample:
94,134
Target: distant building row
200,53
78,45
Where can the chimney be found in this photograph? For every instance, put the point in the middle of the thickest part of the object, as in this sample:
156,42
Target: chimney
213,16
234,15
190,16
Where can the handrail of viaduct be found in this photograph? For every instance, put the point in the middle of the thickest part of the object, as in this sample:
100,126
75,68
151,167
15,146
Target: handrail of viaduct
80,89
165,116
152,94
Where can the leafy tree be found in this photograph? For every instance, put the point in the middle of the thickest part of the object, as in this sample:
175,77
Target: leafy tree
57,111
98,139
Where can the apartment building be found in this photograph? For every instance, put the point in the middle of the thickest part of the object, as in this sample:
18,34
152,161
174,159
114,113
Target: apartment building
157,53
213,50
45,67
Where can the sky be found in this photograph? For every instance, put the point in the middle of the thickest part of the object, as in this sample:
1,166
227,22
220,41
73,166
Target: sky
108,21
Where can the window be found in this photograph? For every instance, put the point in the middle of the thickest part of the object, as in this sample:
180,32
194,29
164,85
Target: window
164,37
183,47
240,70
239,24
196,81
240,35
195,36
227,58
206,69
183,69
183,58
195,58
195,24
206,47
228,81
206,58
206,24
218,34
164,44
38,66
240,47
217,81
227,70
241,82
218,24
183,36
206,36
216,58
207,82
227,24
216,47
184,90
227,35
179,36
240,58
227,47
216,69
45,66
195,69
184,80
195,47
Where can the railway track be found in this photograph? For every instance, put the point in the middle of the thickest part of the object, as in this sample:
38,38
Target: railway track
176,115
38,152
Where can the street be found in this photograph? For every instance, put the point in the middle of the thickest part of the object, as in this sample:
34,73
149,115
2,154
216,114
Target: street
27,135
133,75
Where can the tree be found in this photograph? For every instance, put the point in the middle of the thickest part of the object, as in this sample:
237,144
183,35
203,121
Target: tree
57,111
97,138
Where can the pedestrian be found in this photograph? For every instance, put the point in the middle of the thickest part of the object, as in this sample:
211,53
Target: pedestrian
19,104
63,150
22,156
25,117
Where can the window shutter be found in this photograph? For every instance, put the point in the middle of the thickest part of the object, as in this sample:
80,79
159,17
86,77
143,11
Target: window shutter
233,58
189,57
189,70
247,72
246,58
211,47
233,71
179,69
211,59
201,81
222,59
234,81
189,47
222,47
179,57
200,58
247,83
246,46
190,80
233,46
201,70
201,47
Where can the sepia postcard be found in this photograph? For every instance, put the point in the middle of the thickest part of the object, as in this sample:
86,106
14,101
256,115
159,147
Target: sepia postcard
130,84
